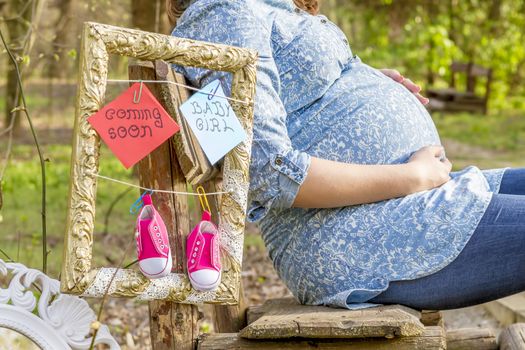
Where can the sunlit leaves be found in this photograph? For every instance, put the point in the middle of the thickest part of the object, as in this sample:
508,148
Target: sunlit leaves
422,38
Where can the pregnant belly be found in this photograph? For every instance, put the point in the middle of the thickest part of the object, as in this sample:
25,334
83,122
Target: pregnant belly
364,118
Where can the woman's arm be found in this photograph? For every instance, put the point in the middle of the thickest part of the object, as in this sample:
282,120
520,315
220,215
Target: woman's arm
331,184
276,169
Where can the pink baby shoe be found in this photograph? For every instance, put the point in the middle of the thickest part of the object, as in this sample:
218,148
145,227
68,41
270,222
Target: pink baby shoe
153,246
202,254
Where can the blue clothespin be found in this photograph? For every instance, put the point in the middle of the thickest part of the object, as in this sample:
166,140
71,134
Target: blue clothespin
139,203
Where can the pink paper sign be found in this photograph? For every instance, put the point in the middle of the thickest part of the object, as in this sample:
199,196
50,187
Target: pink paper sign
133,130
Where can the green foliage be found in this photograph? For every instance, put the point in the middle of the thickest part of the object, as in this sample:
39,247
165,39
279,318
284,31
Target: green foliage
25,60
72,54
422,38
205,327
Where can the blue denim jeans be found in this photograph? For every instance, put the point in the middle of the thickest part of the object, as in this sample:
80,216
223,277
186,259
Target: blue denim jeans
490,266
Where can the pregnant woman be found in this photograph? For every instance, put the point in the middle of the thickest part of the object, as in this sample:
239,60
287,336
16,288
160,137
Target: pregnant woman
349,184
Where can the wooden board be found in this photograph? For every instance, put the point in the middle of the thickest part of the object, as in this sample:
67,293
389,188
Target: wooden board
513,337
285,318
471,338
432,338
508,310
227,318
173,326
191,157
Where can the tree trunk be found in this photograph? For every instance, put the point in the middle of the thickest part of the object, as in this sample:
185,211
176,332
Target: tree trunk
11,100
431,10
494,16
18,15
150,15
60,66
495,10
21,16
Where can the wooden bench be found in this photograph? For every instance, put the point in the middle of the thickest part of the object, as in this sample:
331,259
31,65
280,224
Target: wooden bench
454,100
284,324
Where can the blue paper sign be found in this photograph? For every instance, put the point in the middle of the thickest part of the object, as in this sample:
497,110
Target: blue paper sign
212,120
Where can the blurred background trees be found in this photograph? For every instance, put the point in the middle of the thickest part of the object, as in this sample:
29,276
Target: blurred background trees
420,38
18,18
45,37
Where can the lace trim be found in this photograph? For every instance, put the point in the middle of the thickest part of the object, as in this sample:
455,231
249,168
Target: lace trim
231,241
161,287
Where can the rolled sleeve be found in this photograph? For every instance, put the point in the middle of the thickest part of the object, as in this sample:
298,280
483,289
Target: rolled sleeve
293,165
277,169
292,169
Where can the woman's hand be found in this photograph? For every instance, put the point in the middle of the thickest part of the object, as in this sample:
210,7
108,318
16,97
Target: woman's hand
412,87
431,167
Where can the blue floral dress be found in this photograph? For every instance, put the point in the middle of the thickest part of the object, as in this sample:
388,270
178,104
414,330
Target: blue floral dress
315,98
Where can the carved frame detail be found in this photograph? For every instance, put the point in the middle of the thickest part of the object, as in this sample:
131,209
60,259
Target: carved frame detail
78,276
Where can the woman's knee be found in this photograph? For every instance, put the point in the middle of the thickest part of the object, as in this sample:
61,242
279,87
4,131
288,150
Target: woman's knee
505,213
513,181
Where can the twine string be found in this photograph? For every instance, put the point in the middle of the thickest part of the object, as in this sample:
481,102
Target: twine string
178,84
157,190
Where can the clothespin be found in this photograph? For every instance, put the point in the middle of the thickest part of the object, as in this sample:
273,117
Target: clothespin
136,99
139,203
206,211
212,93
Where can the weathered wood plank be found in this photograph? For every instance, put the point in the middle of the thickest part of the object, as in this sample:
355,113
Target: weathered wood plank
432,318
226,318
255,312
191,157
513,337
471,338
285,318
173,326
230,318
432,338
172,98
508,310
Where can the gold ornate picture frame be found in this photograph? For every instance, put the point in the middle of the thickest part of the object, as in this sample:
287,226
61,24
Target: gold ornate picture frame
78,276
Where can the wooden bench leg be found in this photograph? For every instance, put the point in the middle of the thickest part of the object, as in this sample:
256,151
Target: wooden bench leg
230,319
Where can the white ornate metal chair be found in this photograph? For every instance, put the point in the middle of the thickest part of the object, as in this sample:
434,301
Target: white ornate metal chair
32,305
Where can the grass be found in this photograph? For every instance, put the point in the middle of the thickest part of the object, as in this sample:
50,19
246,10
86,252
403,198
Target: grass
500,132
21,213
